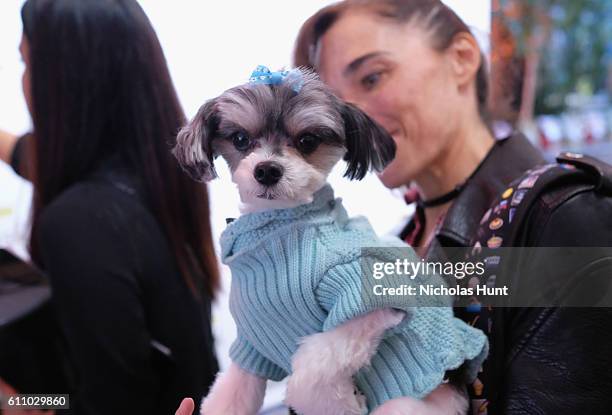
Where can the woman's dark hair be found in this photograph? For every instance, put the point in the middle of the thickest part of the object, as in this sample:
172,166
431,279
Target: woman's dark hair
434,16
100,87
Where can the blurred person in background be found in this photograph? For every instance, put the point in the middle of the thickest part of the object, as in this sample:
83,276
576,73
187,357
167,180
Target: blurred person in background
122,233
415,68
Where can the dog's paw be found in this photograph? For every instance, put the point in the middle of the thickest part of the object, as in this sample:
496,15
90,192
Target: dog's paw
328,398
213,406
390,317
401,406
444,400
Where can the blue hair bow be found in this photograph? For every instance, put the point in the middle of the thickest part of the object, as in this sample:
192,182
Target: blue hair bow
263,75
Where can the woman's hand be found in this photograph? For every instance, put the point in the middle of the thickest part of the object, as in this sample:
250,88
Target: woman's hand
186,407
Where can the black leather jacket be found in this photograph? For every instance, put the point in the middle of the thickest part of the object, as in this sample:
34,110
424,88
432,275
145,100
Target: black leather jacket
543,360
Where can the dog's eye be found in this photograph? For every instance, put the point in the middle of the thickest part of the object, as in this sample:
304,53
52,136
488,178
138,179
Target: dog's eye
308,143
241,141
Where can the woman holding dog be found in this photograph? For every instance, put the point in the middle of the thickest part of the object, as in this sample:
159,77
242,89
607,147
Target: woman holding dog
415,68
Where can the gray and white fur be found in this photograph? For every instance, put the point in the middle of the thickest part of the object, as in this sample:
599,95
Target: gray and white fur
280,147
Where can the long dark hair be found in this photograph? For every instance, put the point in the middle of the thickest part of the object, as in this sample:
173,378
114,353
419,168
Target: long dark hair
100,86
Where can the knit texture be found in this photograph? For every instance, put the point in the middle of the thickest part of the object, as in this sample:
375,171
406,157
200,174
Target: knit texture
298,271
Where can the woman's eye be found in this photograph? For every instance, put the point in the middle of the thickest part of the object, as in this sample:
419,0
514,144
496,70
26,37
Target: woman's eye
241,141
308,143
370,81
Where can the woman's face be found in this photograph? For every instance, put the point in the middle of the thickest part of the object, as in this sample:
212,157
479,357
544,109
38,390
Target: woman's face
24,50
391,72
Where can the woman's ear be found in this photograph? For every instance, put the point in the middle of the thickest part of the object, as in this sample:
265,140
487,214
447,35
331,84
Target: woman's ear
466,58
193,148
368,145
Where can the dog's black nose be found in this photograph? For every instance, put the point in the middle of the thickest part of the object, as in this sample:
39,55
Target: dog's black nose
268,173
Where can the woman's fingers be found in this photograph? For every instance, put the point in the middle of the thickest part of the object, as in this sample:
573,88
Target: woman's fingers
186,408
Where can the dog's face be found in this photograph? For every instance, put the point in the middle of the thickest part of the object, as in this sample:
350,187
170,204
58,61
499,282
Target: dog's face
281,145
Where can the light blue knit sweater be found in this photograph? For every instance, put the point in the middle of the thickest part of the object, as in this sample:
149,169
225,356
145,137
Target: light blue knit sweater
297,271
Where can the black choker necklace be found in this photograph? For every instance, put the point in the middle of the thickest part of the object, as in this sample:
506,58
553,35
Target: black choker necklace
440,200
447,197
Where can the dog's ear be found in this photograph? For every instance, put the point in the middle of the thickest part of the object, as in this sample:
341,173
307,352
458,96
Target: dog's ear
193,148
368,145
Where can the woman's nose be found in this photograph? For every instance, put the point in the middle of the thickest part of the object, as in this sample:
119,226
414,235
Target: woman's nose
361,102
355,100
364,105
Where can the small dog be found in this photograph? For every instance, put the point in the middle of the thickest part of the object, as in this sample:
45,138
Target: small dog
281,135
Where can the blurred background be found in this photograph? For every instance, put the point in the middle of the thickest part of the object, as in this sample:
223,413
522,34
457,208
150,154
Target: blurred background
551,69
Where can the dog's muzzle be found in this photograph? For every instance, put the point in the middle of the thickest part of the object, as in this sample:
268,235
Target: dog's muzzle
268,173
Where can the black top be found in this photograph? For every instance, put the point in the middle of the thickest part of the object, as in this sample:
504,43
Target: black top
137,339
542,360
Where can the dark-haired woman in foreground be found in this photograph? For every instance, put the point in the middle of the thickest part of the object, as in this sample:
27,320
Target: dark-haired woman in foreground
122,233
